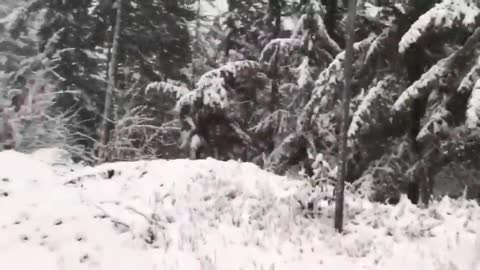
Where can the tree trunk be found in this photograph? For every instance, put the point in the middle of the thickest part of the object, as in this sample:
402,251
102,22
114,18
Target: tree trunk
231,5
194,44
330,19
107,124
273,104
348,71
171,4
275,10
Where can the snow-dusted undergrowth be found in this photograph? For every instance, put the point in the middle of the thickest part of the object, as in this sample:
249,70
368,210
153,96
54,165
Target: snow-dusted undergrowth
210,215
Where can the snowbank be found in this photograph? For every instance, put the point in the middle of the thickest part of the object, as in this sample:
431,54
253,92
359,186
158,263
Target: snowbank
211,215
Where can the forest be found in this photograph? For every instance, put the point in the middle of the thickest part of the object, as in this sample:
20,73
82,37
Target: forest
259,81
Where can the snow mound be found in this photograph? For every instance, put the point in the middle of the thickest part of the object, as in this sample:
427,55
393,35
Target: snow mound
209,214
24,168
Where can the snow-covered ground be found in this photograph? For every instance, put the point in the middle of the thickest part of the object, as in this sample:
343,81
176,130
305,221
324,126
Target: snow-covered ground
210,215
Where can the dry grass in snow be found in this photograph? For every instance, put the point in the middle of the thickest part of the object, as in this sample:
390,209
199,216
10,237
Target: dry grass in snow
208,214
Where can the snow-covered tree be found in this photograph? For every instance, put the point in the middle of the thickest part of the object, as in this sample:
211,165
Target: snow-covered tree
74,41
442,90
219,106
260,80
385,108
28,94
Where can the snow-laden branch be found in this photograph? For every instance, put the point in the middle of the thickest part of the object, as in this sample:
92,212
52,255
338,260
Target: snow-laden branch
235,69
285,46
437,124
446,15
211,90
247,140
278,160
437,73
369,10
328,83
168,87
471,78
16,17
379,44
304,74
213,94
277,120
16,21
52,42
473,110
425,84
305,26
365,114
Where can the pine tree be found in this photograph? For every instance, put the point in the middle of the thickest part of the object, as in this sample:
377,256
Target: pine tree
381,104
261,82
212,106
106,127
74,41
435,91
29,120
340,185
274,115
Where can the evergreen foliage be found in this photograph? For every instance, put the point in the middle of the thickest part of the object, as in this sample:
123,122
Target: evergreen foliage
258,81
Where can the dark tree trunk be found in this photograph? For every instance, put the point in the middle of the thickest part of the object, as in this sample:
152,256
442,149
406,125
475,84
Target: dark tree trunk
348,72
107,124
194,45
275,12
171,4
330,19
232,5
415,60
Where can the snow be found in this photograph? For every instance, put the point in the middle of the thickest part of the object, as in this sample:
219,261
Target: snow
473,110
334,73
371,11
436,124
424,85
363,112
289,23
168,87
304,73
208,214
93,6
445,15
212,8
304,27
285,46
211,87
277,120
330,76
328,82
469,80
376,45
209,10
11,19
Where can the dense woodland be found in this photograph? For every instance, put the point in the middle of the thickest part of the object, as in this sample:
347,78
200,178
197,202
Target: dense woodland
261,82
